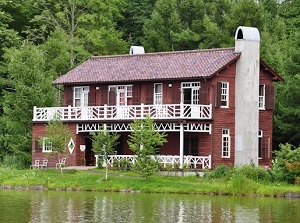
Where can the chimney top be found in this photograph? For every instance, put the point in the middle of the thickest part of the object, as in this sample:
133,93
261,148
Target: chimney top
247,33
136,50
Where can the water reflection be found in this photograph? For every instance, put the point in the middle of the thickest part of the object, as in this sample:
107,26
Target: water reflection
57,206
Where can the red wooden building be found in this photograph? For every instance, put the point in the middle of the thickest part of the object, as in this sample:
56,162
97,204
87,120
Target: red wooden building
216,105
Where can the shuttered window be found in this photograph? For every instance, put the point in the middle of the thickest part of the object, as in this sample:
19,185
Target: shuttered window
222,99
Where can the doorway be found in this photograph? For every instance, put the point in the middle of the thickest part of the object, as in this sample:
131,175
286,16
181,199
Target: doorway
89,154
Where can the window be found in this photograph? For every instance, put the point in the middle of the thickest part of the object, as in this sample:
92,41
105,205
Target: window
47,145
194,146
129,91
261,99
191,146
190,92
260,145
224,94
158,88
80,98
122,94
225,143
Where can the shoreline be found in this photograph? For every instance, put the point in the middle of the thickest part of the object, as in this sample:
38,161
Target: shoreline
130,182
289,195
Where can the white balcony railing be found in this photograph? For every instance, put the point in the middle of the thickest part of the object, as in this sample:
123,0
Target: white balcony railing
128,112
193,162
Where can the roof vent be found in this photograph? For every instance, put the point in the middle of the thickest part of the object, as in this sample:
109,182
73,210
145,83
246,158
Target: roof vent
136,50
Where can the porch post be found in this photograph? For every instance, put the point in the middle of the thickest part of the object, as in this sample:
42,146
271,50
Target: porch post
181,138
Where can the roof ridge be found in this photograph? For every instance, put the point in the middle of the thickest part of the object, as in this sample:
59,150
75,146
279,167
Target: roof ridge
162,53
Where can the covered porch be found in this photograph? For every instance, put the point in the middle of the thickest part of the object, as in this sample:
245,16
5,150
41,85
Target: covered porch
166,161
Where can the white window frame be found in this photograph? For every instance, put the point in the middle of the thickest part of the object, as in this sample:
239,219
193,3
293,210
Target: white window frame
47,145
195,89
262,97
260,137
80,94
226,143
123,92
158,93
224,97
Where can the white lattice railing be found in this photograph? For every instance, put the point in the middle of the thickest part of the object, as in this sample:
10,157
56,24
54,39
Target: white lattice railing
193,162
131,112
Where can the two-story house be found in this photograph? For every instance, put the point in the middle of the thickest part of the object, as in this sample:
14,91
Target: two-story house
215,105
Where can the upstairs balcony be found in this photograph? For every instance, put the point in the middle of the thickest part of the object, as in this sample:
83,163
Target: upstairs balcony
128,112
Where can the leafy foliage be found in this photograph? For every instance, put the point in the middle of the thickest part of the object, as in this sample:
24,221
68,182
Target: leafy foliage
144,141
25,86
59,135
286,164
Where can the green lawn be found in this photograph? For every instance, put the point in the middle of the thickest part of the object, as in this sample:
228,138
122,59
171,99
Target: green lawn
93,180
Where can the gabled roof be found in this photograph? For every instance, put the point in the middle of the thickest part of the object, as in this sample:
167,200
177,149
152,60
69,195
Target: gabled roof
150,66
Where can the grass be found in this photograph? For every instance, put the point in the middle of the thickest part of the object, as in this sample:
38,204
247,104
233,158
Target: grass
129,181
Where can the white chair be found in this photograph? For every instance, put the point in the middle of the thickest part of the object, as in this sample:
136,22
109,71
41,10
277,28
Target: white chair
61,163
44,164
35,165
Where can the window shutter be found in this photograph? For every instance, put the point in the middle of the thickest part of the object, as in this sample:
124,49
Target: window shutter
103,95
270,97
218,95
136,91
112,98
204,95
36,146
149,93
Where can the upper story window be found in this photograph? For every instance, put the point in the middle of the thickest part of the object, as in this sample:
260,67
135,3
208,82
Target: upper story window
262,98
47,145
122,94
190,92
80,96
225,143
158,94
224,94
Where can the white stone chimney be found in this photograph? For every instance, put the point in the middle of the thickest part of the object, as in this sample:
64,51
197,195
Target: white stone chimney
136,50
247,42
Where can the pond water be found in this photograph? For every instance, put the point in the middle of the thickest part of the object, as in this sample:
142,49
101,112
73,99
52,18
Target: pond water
58,206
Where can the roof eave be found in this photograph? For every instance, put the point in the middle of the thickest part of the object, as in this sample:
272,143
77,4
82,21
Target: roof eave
276,76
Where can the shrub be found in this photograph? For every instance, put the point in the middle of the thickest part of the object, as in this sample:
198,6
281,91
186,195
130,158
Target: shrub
123,164
286,165
15,162
246,171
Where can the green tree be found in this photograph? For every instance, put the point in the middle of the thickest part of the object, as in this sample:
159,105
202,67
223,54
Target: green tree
59,135
145,142
104,143
26,85
88,26
158,30
8,36
135,13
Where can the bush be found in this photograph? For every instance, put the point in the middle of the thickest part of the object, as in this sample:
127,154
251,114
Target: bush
123,164
15,162
286,166
245,171
146,167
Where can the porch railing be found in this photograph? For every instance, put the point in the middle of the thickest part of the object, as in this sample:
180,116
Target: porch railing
193,162
128,112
